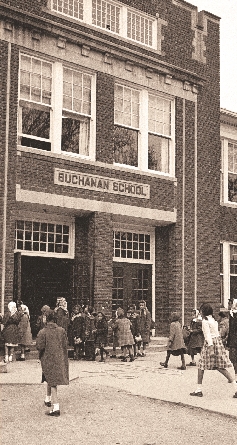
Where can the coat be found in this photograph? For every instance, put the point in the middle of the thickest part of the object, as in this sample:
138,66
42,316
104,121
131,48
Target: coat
232,336
62,318
101,332
51,343
11,330
196,338
123,328
25,336
224,329
135,324
145,325
78,327
176,340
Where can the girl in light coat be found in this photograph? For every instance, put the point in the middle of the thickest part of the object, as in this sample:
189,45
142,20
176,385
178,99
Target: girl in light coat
176,344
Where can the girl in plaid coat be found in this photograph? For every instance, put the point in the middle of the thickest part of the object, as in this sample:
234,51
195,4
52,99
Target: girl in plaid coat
125,338
213,354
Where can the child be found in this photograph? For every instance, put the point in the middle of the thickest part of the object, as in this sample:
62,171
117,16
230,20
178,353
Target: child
25,336
135,325
90,331
78,332
224,326
101,325
112,324
125,337
145,326
51,343
176,344
213,354
11,330
196,338
61,314
41,320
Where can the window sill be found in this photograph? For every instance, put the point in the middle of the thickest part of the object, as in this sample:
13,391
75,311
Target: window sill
80,159
229,204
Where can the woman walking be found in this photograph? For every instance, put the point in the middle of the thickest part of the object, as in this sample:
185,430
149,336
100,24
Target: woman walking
213,354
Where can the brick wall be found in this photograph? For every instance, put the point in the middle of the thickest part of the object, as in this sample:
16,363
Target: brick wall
104,118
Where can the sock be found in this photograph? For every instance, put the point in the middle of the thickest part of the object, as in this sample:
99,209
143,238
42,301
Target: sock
55,406
47,398
6,358
22,355
199,388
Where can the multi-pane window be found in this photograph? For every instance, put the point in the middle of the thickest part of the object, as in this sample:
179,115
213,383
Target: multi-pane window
132,245
72,8
233,270
42,237
140,285
232,172
117,290
221,275
76,112
143,130
35,102
159,127
106,15
55,107
139,28
112,16
127,103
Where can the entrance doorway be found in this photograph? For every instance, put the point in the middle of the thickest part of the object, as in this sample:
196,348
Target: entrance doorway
43,280
132,282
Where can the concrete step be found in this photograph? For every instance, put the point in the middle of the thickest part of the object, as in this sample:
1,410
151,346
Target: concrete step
157,344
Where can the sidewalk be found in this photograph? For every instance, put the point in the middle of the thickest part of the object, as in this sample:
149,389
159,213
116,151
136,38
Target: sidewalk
143,377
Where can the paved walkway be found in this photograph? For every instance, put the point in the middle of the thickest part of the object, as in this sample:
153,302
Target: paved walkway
143,377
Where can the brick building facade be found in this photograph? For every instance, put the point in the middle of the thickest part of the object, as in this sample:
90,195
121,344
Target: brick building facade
110,154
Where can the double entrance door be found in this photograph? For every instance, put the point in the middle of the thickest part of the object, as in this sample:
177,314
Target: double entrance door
132,282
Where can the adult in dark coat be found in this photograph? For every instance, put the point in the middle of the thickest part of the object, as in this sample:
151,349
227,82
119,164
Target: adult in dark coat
51,343
232,336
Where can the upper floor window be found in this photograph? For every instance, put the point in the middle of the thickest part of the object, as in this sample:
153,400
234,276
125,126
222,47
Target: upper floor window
229,171
106,15
139,28
72,8
112,16
55,107
141,141
132,245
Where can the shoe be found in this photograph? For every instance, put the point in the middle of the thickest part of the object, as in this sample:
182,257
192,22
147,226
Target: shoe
197,394
143,354
182,368
139,354
21,359
102,360
124,359
54,413
191,364
113,356
132,359
163,364
47,404
235,396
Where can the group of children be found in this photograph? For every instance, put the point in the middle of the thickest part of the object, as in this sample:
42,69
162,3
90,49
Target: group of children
205,337
130,332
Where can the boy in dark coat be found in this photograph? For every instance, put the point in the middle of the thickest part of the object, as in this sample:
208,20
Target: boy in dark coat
51,343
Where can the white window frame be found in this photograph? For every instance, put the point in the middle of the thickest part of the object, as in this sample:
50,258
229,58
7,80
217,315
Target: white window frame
225,171
123,16
43,219
143,131
226,271
51,2
56,110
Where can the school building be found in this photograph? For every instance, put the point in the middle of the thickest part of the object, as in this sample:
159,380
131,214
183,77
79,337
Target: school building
111,154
